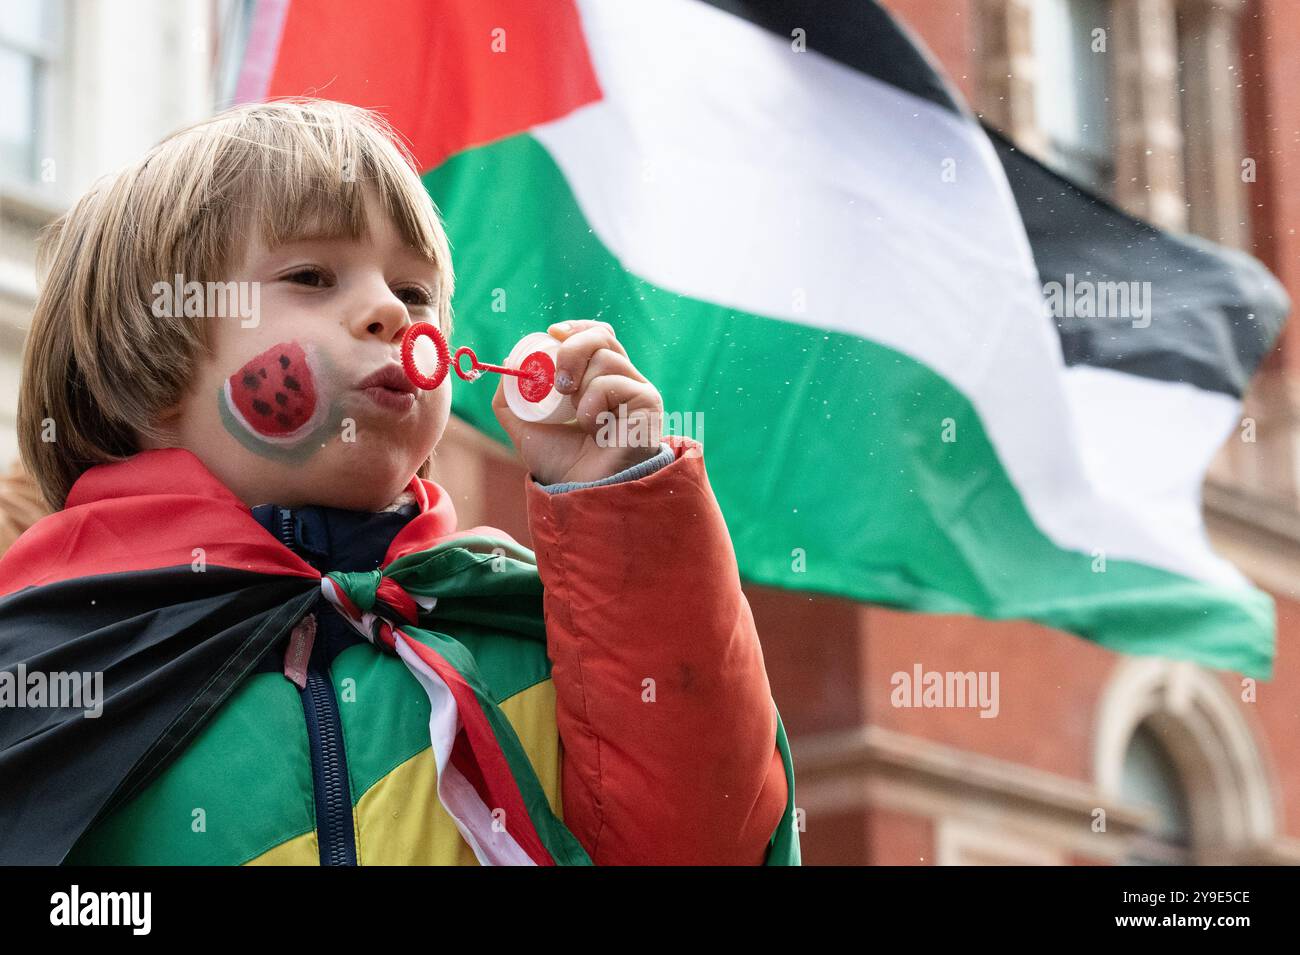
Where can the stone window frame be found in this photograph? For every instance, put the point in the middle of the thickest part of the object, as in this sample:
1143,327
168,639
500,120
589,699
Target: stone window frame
967,842
1167,147
1228,781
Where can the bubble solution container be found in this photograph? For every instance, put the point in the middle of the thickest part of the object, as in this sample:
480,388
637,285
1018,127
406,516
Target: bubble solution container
533,397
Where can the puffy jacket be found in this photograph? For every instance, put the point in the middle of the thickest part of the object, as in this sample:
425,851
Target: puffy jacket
648,719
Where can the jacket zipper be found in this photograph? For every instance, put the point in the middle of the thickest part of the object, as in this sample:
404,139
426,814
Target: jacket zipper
329,767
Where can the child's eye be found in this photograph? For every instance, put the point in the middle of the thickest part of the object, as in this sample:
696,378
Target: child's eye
414,295
313,277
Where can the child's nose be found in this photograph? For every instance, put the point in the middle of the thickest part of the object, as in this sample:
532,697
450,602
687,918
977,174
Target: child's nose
383,314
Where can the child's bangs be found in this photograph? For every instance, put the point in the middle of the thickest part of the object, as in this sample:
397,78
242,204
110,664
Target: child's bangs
313,183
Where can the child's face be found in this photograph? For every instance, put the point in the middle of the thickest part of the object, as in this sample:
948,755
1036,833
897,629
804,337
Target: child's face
281,411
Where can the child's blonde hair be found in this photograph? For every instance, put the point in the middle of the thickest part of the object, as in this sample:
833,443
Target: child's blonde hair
99,365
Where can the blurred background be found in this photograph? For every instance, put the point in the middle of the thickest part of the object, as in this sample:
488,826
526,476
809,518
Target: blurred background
1095,758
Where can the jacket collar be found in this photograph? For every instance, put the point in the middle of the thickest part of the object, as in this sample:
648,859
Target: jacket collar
179,471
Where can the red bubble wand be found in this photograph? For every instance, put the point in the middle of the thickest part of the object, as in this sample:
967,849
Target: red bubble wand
536,370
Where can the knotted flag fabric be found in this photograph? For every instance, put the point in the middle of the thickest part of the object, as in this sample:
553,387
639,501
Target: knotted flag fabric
809,243
484,778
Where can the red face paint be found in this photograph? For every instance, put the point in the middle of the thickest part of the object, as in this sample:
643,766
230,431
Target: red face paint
274,395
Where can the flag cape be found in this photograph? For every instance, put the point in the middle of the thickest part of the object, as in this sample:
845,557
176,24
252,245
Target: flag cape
174,597
808,243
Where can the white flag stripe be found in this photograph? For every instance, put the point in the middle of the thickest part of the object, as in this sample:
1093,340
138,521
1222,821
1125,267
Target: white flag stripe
1150,440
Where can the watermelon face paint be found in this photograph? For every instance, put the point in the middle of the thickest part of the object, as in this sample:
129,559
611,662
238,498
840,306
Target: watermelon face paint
274,395
274,404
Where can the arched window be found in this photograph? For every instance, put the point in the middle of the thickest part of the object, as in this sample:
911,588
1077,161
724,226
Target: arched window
1171,739
1151,779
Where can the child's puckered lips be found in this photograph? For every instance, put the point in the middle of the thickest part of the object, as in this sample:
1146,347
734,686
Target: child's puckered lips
389,388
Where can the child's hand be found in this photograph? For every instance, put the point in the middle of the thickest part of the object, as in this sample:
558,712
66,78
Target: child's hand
600,378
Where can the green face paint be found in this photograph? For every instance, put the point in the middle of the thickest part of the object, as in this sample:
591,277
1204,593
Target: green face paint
276,405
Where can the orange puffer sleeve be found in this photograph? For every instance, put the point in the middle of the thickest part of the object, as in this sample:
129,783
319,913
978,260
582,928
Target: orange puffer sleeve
663,707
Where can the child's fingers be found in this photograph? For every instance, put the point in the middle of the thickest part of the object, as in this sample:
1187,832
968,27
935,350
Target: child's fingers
578,348
567,329
602,362
577,353
607,393
582,334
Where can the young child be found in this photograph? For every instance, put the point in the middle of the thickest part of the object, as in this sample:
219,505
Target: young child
302,659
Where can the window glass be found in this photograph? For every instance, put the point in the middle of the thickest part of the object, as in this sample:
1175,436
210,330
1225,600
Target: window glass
28,43
1072,88
25,22
17,115
1151,779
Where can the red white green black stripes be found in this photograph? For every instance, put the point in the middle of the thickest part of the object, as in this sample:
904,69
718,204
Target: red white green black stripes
486,782
890,416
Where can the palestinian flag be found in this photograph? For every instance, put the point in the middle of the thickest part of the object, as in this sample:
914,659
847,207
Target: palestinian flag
810,245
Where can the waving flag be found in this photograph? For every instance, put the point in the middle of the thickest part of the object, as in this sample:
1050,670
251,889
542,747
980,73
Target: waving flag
811,246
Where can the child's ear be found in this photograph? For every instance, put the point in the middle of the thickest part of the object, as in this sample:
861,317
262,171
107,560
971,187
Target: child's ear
165,430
